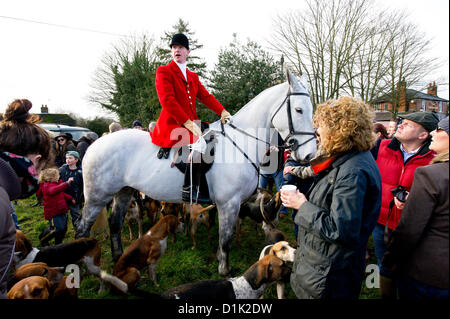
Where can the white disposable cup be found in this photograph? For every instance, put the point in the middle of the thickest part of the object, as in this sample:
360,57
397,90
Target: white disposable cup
289,188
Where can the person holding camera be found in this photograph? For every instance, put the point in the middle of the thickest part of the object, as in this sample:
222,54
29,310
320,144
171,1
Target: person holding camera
418,248
397,161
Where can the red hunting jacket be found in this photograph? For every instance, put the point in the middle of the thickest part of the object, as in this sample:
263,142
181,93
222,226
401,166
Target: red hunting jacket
54,198
177,98
394,173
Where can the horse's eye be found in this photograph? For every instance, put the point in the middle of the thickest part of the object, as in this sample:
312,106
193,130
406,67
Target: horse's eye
299,110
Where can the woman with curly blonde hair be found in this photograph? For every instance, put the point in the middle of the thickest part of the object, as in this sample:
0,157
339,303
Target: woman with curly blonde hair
337,216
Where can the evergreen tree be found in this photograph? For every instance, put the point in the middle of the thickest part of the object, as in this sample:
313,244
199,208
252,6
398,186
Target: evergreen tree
195,63
242,72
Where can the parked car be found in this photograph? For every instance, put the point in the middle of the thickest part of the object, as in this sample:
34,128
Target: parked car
76,131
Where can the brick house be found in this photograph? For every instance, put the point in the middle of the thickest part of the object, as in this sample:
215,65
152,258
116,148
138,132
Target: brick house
412,101
57,118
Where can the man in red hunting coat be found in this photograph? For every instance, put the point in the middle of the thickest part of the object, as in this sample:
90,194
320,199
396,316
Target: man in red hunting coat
178,88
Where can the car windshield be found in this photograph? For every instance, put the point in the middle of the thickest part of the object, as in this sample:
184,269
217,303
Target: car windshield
77,134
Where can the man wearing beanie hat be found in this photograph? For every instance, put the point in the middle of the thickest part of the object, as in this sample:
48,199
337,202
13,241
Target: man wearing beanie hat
72,168
178,89
397,160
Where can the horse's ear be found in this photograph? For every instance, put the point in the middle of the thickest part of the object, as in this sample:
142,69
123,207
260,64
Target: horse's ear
288,77
293,83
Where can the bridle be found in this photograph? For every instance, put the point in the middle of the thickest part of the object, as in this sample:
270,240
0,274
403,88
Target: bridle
292,143
289,143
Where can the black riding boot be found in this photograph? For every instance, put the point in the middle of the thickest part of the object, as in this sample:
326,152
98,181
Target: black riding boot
197,196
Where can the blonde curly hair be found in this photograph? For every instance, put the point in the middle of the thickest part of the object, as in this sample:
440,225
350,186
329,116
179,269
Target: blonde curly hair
347,124
48,175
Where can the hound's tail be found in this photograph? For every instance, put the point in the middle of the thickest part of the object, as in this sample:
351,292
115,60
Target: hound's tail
113,280
207,208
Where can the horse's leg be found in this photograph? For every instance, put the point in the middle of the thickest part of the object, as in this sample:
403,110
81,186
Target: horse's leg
121,203
228,215
92,207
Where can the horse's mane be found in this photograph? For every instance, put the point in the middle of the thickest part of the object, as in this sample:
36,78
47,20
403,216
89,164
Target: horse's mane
300,80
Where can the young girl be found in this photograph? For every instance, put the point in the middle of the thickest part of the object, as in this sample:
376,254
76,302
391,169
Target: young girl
55,205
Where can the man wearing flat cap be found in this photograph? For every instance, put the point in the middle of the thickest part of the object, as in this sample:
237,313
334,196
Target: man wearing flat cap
178,89
397,160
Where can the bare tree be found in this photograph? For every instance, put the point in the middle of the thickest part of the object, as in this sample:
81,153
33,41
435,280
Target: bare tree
407,61
321,41
124,81
350,46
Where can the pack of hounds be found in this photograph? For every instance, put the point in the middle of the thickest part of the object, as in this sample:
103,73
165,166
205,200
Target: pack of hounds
40,272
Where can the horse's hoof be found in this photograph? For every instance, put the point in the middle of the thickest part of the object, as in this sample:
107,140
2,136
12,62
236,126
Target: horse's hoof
224,270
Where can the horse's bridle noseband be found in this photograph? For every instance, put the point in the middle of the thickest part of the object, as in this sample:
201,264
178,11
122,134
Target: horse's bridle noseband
292,143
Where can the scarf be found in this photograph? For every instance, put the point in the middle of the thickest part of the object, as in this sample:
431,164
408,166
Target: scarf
24,168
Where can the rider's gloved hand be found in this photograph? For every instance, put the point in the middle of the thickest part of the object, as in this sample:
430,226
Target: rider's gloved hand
224,116
191,126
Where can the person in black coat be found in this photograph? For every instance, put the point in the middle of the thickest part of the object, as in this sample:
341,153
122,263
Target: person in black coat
336,217
25,149
84,142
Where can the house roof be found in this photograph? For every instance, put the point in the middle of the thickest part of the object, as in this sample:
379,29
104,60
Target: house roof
410,95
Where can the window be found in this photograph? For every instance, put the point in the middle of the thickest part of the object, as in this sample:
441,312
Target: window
440,106
386,107
424,105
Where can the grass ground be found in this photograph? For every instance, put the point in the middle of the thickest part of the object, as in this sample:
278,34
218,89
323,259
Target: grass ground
180,264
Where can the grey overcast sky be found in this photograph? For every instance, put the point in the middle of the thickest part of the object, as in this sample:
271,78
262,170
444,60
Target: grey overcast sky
54,65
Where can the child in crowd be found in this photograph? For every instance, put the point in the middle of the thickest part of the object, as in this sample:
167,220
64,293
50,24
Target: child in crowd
55,205
72,170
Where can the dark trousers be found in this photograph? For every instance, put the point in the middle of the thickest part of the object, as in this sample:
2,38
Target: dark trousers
408,288
57,230
75,214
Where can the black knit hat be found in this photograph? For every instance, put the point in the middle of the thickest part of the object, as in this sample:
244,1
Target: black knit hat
428,120
136,123
180,39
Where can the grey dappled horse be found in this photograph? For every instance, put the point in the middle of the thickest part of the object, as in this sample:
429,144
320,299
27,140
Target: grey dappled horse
118,162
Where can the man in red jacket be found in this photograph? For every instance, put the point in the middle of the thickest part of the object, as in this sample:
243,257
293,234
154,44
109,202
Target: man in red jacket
178,88
397,160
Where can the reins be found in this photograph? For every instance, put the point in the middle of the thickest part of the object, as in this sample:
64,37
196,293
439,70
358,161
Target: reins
293,145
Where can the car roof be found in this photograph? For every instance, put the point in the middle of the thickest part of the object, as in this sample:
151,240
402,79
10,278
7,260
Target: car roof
55,129
50,126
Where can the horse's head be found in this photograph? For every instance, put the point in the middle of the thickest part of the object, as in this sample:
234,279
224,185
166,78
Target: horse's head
293,120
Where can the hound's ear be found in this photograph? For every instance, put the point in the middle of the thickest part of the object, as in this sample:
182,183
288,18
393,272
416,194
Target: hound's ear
44,271
277,199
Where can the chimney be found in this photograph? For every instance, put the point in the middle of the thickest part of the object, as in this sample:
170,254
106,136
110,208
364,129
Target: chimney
401,86
432,89
44,108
